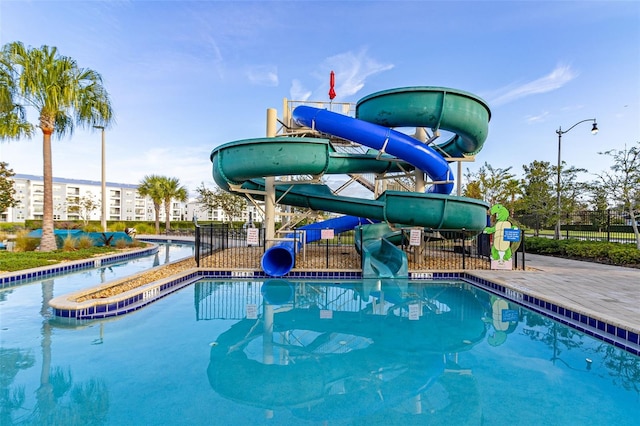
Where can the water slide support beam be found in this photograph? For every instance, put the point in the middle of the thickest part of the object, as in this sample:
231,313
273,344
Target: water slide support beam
270,196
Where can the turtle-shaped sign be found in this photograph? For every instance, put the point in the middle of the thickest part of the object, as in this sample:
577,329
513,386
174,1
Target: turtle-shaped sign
501,249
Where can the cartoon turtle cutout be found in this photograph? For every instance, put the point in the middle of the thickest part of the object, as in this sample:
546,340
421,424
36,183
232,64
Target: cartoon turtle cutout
501,249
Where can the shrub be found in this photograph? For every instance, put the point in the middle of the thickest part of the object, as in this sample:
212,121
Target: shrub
69,244
625,254
600,251
121,243
84,242
143,228
10,227
67,225
24,242
117,227
92,227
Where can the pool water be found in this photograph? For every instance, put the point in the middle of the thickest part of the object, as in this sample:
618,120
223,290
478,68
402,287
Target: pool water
310,352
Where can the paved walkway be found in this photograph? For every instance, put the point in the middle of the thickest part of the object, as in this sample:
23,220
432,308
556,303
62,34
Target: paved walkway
609,293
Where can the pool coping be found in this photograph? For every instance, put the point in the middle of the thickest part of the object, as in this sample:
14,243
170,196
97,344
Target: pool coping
11,279
623,336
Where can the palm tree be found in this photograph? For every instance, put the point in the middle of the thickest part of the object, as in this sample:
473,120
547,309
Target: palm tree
152,186
172,190
13,124
63,94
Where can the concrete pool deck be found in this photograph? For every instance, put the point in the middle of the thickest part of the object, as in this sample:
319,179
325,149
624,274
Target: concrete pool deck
610,293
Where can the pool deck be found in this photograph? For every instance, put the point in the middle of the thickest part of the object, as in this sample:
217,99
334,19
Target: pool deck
610,293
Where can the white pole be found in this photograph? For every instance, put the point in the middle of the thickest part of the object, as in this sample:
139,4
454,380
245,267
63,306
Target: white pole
103,213
103,218
270,196
420,135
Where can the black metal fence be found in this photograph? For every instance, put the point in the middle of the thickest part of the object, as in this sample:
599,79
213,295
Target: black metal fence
222,247
602,225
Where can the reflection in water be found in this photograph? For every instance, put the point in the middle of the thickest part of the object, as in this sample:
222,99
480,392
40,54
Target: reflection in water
504,319
308,352
355,355
59,401
48,394
394,351
12,398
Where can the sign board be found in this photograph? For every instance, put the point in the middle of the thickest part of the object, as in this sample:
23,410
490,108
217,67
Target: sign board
502,264
415,238
326,234
252,236
326,314
414,312
511,234
252,311
509,315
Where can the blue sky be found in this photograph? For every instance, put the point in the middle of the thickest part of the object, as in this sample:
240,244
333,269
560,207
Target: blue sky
186,76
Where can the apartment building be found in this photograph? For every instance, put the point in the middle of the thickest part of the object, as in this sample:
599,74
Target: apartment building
250,214
123,201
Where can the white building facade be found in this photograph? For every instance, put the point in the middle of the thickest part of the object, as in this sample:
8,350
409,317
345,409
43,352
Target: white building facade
123,201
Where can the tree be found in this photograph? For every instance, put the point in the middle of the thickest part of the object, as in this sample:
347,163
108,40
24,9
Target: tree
206,197
538,193
472,189
573,194
232,205
63,94
151,186
493,185
13,123
599,196
83,206
624,182
171,189
7,190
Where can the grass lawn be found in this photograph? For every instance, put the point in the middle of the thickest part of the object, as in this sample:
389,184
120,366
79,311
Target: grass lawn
11,261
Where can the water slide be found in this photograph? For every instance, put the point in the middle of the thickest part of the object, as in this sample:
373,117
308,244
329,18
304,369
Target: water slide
244,164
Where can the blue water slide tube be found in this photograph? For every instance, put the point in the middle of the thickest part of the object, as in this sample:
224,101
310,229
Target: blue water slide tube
279,259
383,139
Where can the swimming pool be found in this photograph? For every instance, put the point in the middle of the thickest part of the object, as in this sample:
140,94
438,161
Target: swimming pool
309,352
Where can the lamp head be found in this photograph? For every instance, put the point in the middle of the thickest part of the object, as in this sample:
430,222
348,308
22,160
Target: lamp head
594,129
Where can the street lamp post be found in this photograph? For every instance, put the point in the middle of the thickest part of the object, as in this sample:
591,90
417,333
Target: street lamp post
103,215
561,132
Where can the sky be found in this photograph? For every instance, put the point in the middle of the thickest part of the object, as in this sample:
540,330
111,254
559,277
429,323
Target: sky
187,76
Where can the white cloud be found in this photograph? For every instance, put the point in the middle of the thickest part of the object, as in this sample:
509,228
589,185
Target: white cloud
556,79
298,92
537,118
265,75
351,71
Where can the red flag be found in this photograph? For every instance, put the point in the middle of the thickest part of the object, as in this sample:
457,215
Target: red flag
332,83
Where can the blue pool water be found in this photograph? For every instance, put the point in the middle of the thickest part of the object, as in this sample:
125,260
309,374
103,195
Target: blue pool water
309,352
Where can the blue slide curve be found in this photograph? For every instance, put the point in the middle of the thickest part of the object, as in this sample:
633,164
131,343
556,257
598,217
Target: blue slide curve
382,138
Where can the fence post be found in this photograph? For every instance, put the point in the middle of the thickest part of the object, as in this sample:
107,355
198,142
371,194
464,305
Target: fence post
361,249
327,250
464,249
608,225
197,243
524,268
